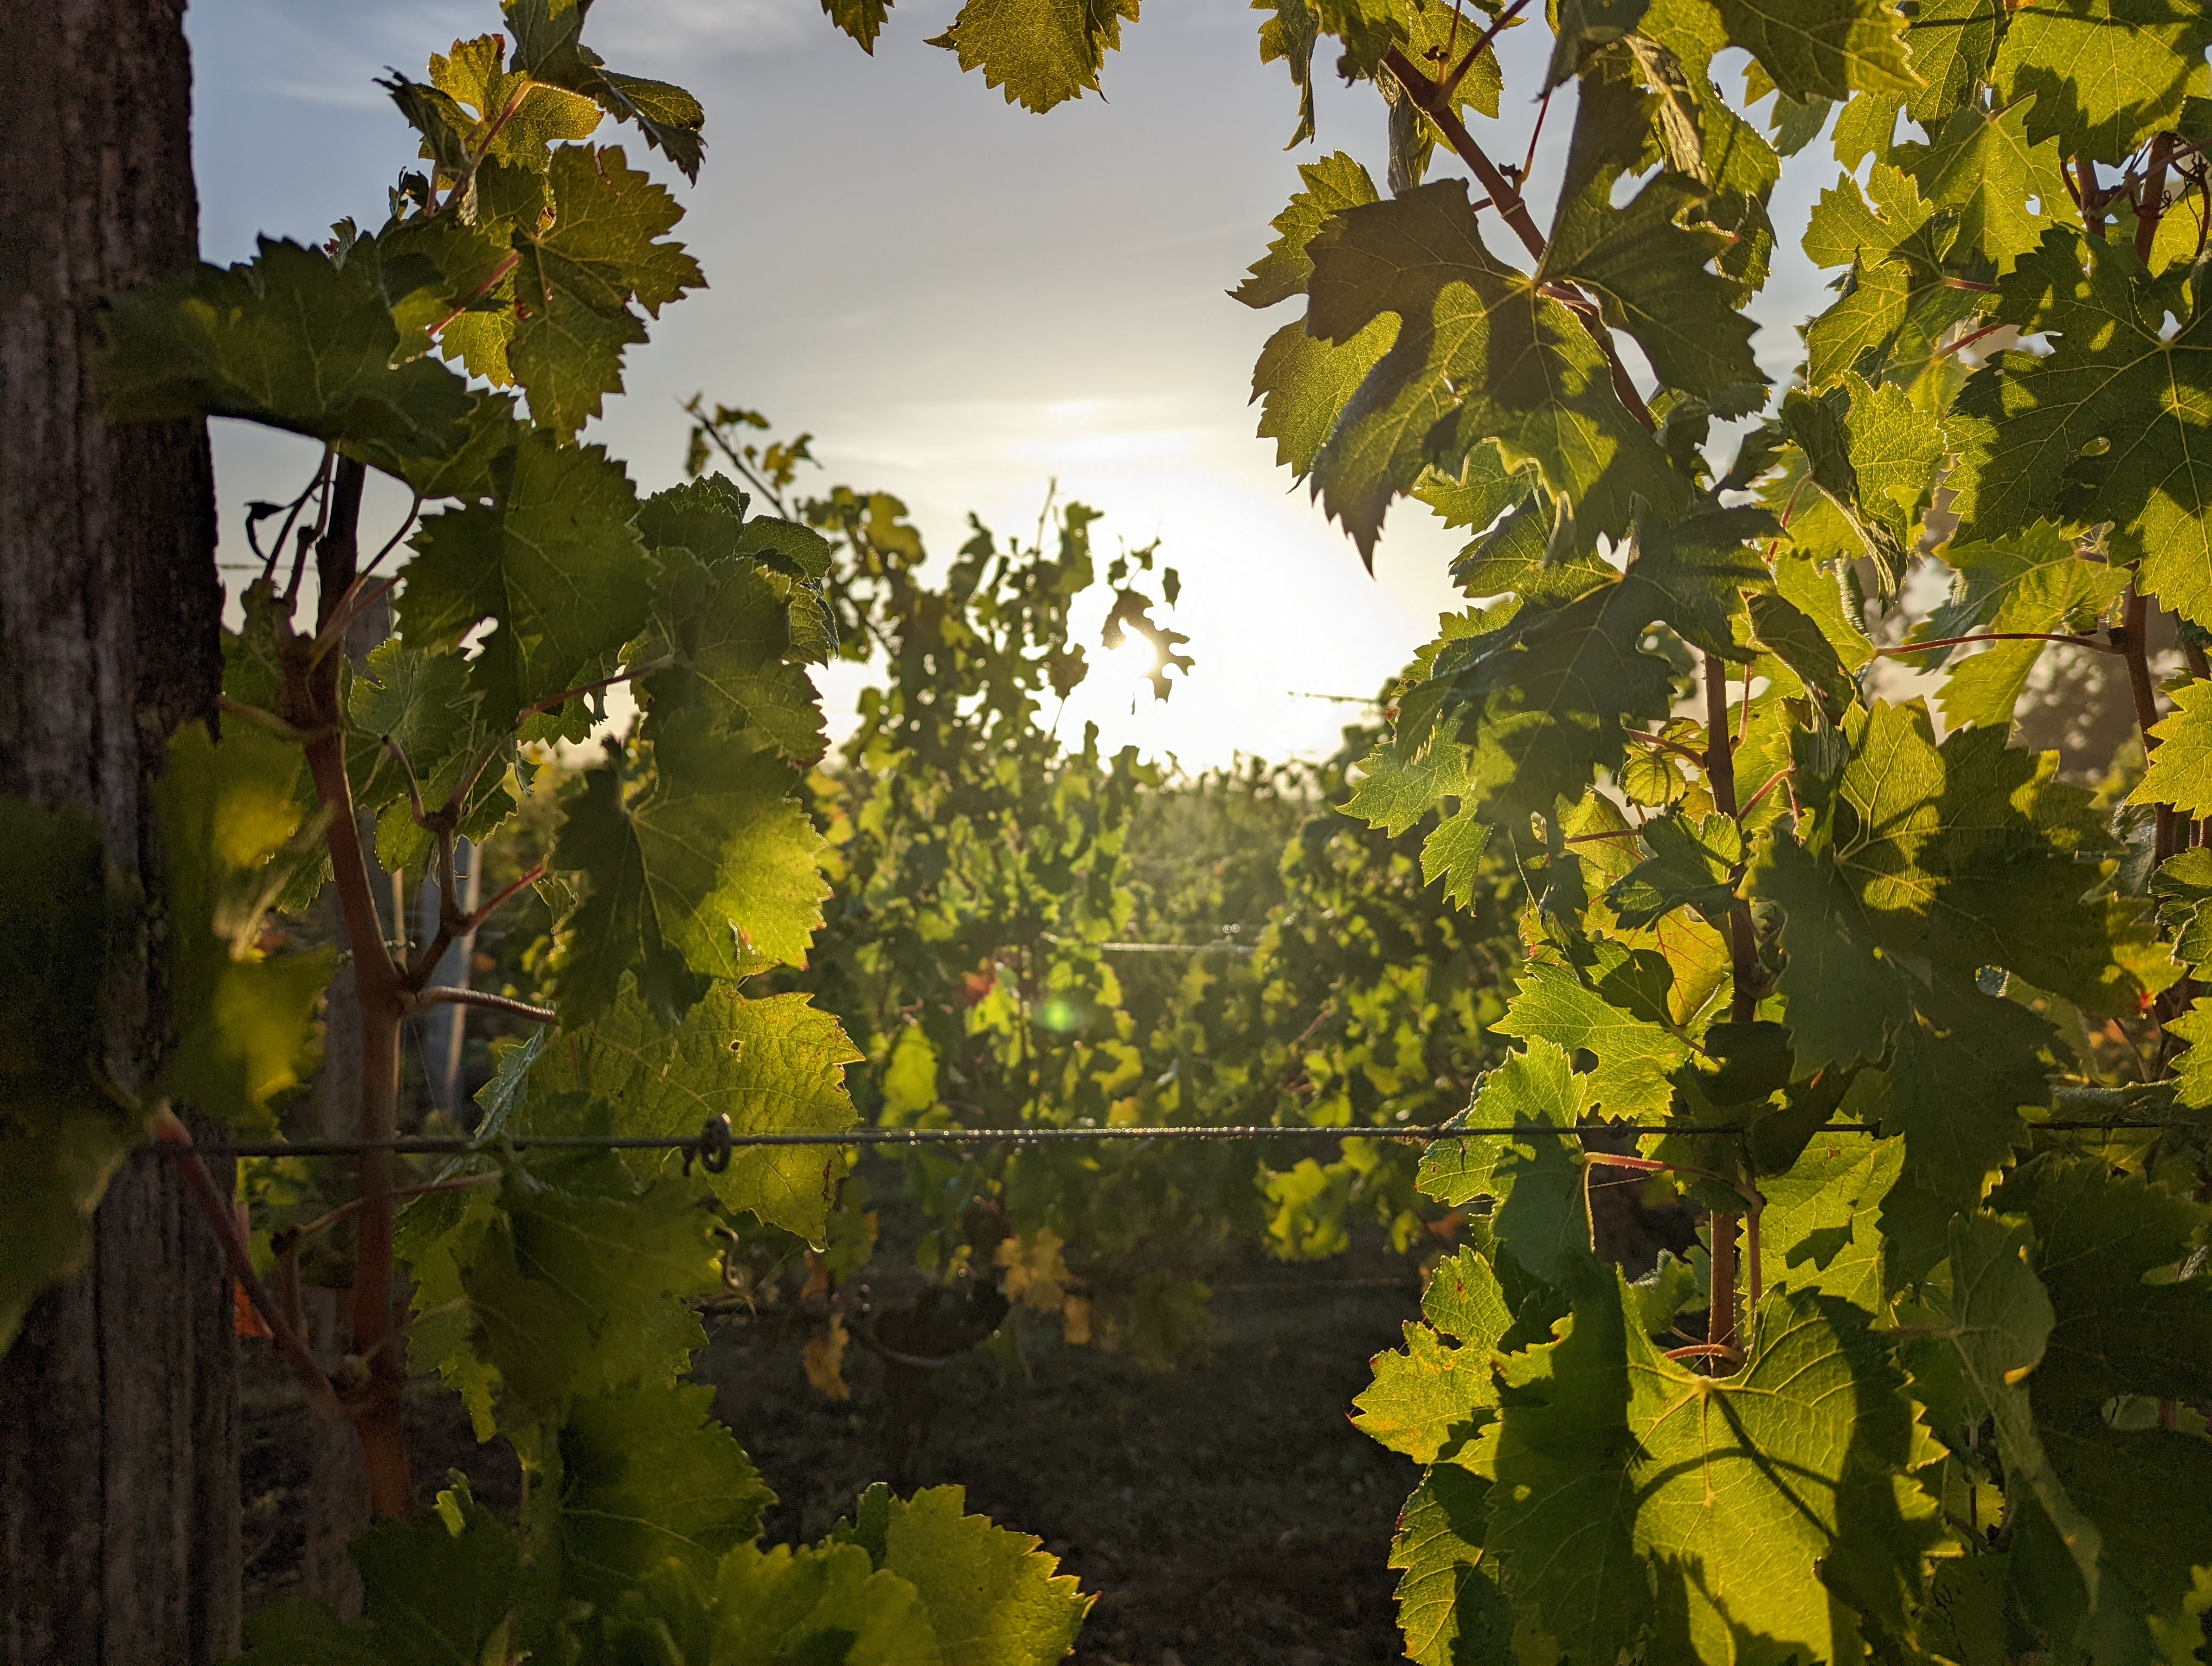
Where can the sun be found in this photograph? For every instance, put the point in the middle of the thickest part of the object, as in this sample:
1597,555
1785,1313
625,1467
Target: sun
1128,667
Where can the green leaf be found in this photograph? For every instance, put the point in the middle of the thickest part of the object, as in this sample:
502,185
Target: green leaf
578,276
1427,1398
236,828
1649,272
1450,1606
61,1138
548,48
649,1476
729,634
1895,303
1635,1056
2102,428
291,339
828,1603
2036,580
1981,164
2107,1248
1794,638
1303,385
573,1283
774,1065
1821,1230
1692,865
712,872
1453,854
555,564
1822,48
1951,44
1997,1322
2105,74
863,20
1331,183
2179,771
1542,1218
1875,465
427,1592
1756,1501
1695,573
1479,356
993,1597
1043,53
1394,795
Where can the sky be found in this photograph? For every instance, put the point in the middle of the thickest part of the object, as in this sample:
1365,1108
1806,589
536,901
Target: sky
962,301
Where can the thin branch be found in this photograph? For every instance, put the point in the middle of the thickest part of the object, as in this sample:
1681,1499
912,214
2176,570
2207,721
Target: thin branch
171,1133
1968,284
414,786
485,913
1451,84
1780,776
1705,1350
1966,340
1665,744
498,274
1543,108
261,717
351,605
451,809
324,1222
1904,648
391,544
277,548
1613,833
440,994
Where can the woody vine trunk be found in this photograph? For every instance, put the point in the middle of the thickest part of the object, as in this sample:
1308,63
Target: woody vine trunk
119,1424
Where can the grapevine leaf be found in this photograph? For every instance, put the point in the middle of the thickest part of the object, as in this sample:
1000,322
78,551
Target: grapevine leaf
1479,356
474,74
2114,1331
647,1477
555,563
863,20
2104,428
1465,1300
730,635
1635,1056
1695,573
772,1066
1429,1397
993,1597
1450,1606
1952,44
1331,183
2180,766
1562,1500
1394,794
1303,385
579,273
1289,37
61,1138
2146,1489
430,1593
1818,593
291,339
1996,1322
1542,1220
1821,1230
1823,48
828,1603
1649,272
1796,639
236,829
1692,865
548,48
1894,244
2034,581
572,1284
1043,53
1982,165
2105,74
1453,854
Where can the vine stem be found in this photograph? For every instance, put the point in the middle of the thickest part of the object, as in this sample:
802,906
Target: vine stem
2131,638
442,995
313,698
1743,995
1904,648
1432,102
170,1131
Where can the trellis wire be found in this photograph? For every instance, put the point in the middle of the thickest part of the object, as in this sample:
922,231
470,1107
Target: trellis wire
699,1144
